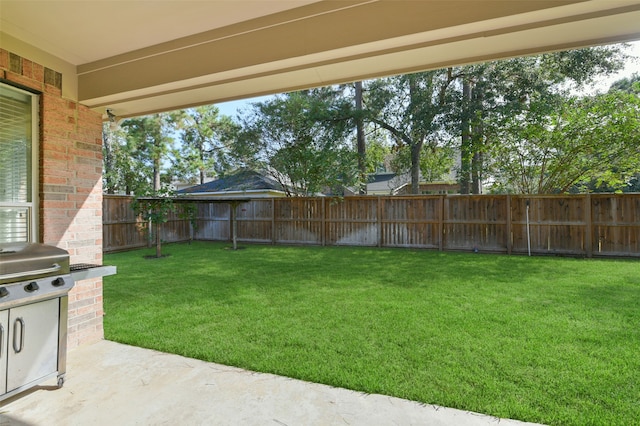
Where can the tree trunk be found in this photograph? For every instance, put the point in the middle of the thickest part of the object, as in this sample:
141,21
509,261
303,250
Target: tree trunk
234,224
108,162
416,142
202,171
156,175
476,173
465,145
158,240
156,188
477,142
416,147
362,165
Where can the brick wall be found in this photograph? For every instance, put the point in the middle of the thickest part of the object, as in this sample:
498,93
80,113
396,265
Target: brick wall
70,209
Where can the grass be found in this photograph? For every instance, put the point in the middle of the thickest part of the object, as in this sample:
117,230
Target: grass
541,339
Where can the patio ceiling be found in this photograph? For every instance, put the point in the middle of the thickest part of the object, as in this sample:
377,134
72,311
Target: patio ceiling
137,57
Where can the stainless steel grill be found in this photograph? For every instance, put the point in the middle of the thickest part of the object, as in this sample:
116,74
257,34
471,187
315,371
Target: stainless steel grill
35,280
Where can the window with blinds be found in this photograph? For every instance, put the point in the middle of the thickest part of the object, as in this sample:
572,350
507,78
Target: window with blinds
17,159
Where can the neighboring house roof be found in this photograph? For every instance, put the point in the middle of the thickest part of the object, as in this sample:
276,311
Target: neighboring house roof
441,187
240,183
386,183
178,185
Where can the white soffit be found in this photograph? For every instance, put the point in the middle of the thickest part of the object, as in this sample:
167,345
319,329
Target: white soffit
138,57
83,31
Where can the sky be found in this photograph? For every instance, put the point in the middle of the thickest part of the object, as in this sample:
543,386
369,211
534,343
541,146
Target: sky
232,108
632,66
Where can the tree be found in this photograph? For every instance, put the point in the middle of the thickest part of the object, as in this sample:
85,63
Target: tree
378,153
109,171
409,107
436,161
494,92
466,152
591,140
206,140
123,172
150,142
301,139
360,138
150,137
629,84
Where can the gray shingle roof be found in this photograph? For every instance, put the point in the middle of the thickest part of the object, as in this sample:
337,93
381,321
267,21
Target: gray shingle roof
242,180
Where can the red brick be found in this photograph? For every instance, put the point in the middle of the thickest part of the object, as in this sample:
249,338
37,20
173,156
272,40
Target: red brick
20,79
56,180
56,172
52,90
70,178
87,205
27,68
67,205
38,73
4,59
53,197
53,144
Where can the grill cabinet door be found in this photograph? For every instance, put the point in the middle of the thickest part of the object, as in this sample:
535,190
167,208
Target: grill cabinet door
4,339
33,342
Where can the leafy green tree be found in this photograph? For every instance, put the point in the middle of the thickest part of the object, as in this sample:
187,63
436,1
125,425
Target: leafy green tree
301,138
410,107
628,84
436,162
494,92
122,170
591,140
155,211
150,140
206,139
378,150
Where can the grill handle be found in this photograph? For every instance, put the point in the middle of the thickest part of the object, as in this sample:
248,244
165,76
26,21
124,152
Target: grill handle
17,349
53,268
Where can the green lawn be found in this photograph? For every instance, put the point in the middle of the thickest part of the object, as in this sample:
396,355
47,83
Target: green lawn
540,339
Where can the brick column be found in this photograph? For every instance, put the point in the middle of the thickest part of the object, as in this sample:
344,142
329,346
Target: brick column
70,194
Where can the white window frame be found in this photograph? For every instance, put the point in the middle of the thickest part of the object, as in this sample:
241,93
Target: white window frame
33,204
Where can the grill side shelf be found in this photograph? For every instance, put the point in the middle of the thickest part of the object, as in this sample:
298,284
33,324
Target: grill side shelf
83,271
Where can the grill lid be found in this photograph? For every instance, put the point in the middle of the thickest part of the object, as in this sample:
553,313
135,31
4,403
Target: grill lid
24,261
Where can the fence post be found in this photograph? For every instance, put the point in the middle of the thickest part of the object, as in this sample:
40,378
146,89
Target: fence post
273,221
509,219
323,223
588,234
379,219
441,231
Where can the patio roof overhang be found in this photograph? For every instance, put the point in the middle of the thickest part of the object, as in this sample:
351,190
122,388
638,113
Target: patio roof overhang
138,57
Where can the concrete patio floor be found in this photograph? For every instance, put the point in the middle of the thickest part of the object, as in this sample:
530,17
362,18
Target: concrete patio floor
112,384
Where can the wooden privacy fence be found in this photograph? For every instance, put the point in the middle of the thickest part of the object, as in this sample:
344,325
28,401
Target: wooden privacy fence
122,229
583,225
